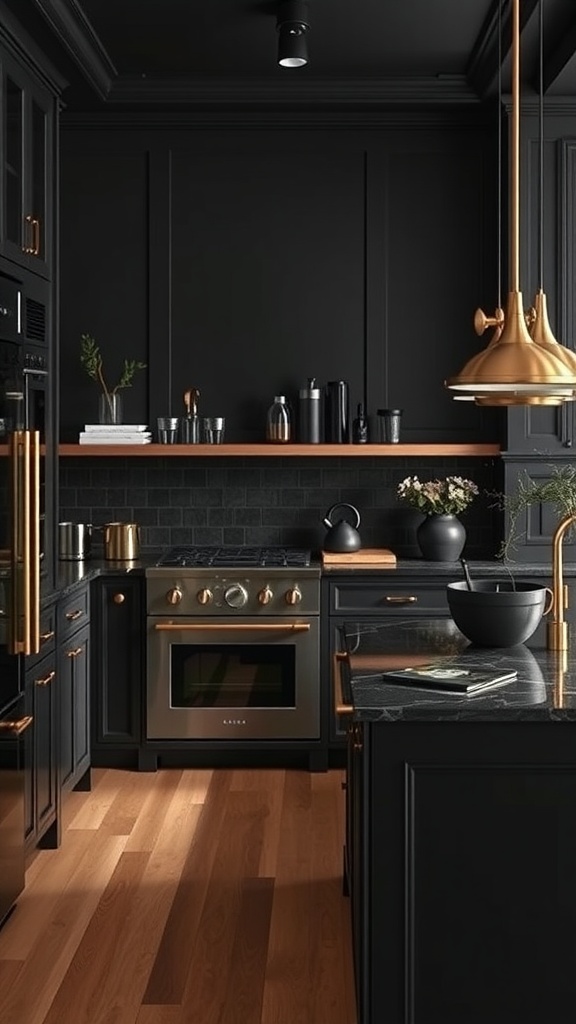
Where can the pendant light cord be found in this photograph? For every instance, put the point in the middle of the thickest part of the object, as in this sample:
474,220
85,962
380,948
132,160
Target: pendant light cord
541,145
514,284
499,158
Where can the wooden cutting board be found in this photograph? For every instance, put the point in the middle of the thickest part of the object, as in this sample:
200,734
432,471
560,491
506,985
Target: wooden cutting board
381,557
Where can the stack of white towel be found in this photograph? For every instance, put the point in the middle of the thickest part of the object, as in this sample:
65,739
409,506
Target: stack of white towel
115,433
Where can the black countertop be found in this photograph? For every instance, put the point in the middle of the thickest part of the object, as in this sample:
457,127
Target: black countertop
545,688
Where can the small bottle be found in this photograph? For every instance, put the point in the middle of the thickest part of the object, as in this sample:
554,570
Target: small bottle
190,424
360,427
309,425
278,421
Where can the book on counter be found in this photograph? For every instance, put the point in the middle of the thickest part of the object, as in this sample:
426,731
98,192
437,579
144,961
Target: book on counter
93,437
451,677
115,428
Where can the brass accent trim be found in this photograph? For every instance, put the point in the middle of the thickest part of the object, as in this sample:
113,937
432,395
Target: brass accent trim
45,680
44,637
24,451
401,599
16,726
74,653
119,598
340,707
72,616
288,627
557,629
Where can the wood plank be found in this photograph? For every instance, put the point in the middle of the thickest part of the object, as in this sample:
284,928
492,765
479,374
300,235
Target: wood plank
276,450
382,557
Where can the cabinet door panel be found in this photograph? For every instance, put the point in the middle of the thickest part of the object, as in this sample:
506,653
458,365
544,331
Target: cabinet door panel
117,663
267,268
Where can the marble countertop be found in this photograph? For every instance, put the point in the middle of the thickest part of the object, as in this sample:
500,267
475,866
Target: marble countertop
544,690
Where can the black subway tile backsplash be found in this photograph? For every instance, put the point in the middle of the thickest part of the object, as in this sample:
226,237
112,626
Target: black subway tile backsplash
268,501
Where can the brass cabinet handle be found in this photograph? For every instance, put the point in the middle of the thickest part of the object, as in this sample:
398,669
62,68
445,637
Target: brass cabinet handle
71,616
24,449
16,727
119,598
295,627
74,653
34,224
400,599
339,706
45,680
44,637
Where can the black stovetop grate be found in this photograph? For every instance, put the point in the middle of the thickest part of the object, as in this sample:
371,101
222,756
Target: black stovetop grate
235,557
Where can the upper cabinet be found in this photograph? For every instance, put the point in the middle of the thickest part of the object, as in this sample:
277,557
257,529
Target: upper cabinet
27,140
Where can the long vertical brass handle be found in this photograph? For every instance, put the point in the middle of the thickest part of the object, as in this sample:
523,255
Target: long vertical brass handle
24,449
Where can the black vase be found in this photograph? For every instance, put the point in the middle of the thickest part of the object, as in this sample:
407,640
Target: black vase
441,538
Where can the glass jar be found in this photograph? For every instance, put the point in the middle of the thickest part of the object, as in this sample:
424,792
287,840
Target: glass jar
279,421
110,408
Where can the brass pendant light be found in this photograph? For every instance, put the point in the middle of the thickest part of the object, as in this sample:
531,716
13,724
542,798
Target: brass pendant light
515,369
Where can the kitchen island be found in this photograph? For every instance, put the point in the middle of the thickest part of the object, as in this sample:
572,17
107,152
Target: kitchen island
460,852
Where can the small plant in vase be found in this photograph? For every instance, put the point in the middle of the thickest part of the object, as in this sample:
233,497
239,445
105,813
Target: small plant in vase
441,535
91,360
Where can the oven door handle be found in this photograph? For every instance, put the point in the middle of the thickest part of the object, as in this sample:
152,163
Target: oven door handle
288,627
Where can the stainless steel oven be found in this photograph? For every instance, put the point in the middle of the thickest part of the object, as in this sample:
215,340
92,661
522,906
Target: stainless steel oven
233,652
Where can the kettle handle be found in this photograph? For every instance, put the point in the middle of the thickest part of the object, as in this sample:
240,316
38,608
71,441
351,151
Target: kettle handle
343,504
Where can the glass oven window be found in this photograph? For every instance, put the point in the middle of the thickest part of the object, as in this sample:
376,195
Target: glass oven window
233,676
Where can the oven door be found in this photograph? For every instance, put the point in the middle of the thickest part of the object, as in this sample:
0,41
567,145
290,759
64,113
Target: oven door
229,679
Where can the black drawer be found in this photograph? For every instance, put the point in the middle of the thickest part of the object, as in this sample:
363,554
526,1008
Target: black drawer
388,598
73,612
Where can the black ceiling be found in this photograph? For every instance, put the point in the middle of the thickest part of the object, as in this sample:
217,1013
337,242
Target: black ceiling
361,51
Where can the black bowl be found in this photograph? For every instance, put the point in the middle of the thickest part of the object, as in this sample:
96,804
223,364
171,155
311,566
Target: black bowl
496,613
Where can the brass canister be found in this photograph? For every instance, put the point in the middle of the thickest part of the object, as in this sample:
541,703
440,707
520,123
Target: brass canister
121,541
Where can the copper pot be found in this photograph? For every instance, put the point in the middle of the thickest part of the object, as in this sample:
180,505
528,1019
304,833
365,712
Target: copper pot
121,541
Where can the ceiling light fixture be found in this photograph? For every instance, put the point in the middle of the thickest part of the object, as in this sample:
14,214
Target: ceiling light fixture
514,369
292,25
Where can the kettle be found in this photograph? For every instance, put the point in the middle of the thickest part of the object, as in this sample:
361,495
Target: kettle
342,536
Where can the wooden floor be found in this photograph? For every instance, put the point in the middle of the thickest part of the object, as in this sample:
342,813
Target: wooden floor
205,897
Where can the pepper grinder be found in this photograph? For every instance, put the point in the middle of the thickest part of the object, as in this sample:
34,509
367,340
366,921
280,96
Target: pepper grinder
191,421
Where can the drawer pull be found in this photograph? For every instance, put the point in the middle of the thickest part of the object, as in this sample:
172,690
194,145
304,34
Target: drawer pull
16,726
400,599
74,653
71,616
45,680
44,637
119,598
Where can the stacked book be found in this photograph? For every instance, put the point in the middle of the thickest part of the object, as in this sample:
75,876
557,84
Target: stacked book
115,433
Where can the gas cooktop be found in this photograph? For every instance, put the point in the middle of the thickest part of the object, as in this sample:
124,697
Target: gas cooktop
236,557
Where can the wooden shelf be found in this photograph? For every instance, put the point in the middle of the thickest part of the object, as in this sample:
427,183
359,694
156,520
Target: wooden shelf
276,450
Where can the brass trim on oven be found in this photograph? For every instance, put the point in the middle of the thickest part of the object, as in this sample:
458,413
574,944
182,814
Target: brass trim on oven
288,627
340,707
24,451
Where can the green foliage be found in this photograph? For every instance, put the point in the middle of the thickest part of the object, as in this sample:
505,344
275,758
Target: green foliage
559,490
91,360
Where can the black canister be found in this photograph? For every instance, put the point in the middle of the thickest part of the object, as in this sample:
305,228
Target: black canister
309,413
337,412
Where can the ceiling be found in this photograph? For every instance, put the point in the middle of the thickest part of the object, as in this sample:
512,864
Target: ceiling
361,52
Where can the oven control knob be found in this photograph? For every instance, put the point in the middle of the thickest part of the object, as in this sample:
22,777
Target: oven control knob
265,595
174,596
204,596
236,595
293,596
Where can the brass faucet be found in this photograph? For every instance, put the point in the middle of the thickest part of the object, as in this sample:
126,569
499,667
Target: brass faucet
557,631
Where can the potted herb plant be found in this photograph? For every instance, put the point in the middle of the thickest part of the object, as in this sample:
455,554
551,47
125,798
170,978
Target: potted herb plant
110,407
559,490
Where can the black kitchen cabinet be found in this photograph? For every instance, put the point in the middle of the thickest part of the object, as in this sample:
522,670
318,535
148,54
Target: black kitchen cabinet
117,667
73,631
42,797
28,186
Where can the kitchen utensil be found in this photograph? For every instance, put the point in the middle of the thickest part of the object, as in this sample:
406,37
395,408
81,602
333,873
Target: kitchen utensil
494,614
337,414
309,419
389,420
190,425
121,541
74,541
278,421
214,429
168,429
466,572
342,536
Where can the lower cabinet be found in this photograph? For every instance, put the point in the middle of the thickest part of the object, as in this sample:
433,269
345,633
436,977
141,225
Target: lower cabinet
73,667
117,670
42,797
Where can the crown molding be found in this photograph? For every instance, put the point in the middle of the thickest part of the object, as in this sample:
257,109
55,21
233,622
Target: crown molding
76,35
24,49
